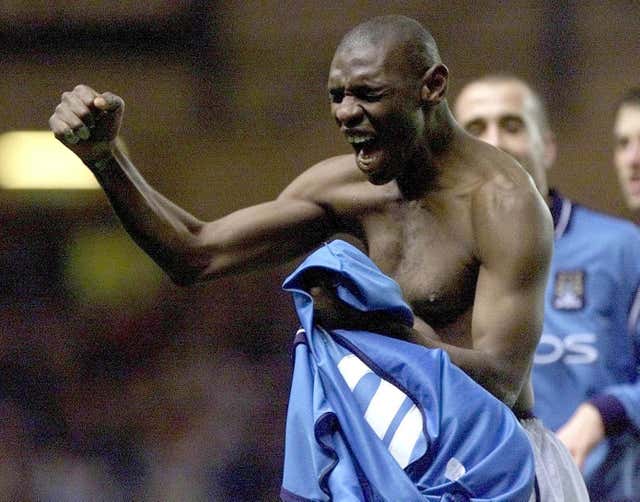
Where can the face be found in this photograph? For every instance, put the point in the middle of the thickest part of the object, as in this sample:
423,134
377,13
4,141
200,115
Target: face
376,104
502,114
626,154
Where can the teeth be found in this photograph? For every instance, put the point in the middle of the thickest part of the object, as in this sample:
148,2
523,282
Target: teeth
358,140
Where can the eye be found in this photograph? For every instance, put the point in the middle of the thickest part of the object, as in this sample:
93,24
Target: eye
475,127
372,97
621,142
336,95
512,125
368,94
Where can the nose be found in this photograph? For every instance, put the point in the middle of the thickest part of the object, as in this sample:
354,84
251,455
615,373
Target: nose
348,112
628,156
633,153
492,135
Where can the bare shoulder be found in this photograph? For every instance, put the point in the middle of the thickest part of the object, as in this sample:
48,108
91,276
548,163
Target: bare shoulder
507,193
326,175
337,184
510,217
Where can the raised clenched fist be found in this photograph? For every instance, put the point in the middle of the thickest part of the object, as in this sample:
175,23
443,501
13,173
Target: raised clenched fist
87,122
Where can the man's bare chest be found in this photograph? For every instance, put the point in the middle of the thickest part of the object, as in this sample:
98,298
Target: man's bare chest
430,255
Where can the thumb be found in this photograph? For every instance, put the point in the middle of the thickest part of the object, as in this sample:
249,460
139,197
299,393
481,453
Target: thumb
108,102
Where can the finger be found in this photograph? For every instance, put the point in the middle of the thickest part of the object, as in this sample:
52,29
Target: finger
73,122
318,294
81,101
71,137
78,108
321,296
85,93
108,102
62,131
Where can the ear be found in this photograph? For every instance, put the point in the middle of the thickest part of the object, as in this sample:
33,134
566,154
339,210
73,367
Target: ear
434,84
550,149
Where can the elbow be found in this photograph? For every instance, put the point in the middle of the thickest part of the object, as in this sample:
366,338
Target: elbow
179,278
507,395
184,267
178,272
187,272
507,388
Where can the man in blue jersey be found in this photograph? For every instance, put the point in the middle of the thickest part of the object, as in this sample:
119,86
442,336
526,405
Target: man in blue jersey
586,366
626,153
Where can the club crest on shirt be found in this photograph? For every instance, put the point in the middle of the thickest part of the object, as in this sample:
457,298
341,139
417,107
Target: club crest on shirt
568,290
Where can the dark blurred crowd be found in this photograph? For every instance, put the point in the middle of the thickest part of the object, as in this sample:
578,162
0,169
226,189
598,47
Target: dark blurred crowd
180,397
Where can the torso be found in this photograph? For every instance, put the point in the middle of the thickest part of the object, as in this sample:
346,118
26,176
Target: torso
429,252
427,245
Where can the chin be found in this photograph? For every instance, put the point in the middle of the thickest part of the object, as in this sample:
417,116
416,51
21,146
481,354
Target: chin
633,203
379,179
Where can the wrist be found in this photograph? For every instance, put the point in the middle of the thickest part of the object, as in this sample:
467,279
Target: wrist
97,166
100,158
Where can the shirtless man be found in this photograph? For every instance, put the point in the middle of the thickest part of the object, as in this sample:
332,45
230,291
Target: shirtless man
457,223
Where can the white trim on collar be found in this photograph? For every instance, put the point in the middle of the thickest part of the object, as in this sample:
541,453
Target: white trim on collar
563,220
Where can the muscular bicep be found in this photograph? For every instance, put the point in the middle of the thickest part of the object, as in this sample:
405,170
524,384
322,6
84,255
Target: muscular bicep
514,246
265,234
300,219
507,318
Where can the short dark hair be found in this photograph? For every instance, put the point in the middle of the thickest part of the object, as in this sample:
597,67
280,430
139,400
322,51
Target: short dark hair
539,107
417,42
630,97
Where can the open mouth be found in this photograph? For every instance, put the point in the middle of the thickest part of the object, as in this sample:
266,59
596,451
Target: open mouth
367,149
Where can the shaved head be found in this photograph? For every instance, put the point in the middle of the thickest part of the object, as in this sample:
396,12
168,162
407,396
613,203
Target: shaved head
405,35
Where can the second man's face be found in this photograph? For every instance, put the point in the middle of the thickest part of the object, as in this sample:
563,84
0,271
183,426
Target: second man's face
626,156
501,114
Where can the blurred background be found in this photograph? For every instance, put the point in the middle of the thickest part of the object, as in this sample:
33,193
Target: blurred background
114,383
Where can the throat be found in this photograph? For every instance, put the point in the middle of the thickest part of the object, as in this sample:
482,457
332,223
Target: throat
418,181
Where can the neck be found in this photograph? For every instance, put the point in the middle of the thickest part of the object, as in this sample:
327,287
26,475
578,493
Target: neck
419,176
440,127
427,164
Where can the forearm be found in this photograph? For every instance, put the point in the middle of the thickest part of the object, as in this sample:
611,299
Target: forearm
479,365
189,250
159,227
484,368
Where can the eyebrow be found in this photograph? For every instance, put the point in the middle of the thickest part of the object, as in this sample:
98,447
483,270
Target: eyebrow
512,116
474,120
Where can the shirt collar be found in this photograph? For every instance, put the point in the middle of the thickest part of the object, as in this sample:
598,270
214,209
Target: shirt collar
561,208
